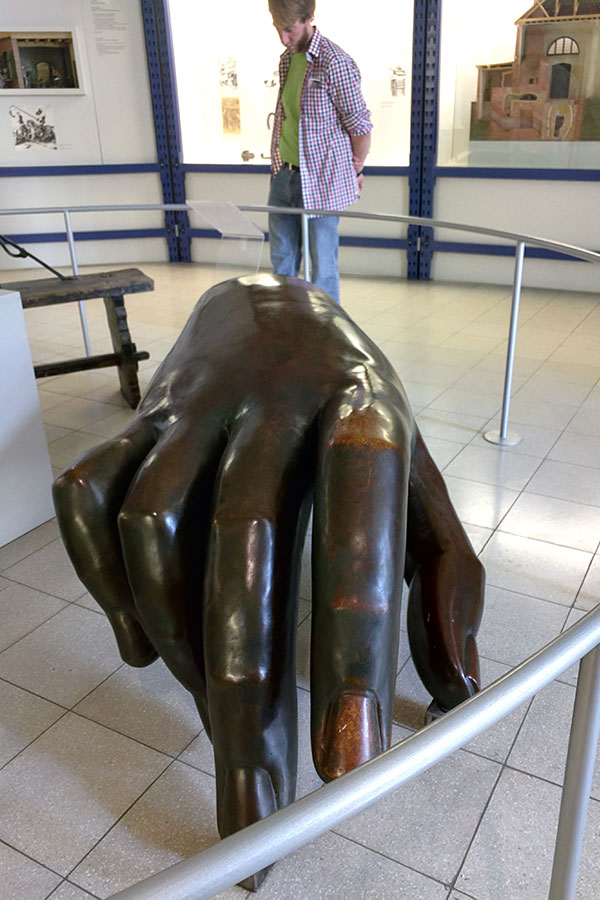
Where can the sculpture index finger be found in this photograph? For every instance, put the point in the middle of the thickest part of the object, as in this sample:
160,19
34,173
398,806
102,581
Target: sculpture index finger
358,562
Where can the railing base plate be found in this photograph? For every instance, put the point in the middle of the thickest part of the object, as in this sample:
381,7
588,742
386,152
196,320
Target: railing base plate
509,440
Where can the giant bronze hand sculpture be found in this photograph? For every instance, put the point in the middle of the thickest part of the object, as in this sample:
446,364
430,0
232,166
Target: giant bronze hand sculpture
188,527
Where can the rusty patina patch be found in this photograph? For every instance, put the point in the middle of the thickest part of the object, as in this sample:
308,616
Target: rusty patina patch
362,430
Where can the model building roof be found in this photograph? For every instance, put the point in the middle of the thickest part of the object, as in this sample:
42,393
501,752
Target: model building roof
553,10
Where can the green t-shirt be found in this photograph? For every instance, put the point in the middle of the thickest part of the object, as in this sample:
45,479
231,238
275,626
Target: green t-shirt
292,89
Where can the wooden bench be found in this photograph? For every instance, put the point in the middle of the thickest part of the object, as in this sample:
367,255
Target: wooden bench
111,286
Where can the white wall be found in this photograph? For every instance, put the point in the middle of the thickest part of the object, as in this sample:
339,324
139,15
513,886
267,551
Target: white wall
381,194
109,122
564,211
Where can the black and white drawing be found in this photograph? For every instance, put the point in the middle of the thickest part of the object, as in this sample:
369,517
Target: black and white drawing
398,81
228,76
32,129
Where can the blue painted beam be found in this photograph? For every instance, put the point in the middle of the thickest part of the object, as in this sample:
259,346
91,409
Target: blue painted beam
45,171
518,174
58,237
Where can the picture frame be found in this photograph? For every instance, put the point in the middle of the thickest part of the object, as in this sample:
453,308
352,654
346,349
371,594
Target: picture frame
42,61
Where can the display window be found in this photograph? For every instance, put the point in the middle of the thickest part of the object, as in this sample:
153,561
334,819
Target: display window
520,84
38,62
227,57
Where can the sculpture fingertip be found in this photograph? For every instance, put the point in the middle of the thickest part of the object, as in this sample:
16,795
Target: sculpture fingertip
134,646
353,734
244,795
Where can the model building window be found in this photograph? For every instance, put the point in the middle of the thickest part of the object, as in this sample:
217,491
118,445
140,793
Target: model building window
37,61
563,46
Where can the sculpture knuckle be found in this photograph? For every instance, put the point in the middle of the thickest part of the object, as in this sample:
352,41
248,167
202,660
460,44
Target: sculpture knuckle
242,673
151,522
230,521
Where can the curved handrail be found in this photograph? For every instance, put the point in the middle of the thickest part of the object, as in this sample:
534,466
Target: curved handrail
262,843
570,249
557,246
501,437
257,846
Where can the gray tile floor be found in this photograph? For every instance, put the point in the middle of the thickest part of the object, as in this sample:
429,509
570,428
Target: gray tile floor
105,774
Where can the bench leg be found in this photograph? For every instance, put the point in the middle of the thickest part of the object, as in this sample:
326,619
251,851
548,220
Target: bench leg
124,348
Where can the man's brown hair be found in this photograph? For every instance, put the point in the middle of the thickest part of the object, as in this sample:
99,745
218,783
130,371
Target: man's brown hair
287,12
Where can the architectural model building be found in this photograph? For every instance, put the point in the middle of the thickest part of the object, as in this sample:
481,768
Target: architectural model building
551,90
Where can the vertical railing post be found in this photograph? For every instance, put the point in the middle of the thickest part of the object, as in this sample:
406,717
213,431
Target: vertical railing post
82,318
305,247
504,437
579,770
71,241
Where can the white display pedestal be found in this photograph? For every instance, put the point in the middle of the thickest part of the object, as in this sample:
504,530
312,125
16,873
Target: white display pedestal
25,471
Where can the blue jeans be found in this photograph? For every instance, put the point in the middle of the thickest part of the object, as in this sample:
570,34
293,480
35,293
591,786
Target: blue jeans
285,236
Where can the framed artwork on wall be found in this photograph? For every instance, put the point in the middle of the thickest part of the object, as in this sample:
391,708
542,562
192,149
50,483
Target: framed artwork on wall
40,62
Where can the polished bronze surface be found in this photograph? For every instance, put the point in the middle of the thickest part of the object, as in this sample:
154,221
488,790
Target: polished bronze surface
188,529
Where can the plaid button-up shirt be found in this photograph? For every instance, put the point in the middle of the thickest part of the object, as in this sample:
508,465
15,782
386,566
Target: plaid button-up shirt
332,108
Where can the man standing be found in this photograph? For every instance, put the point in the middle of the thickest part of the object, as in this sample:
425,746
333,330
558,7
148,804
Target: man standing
321,137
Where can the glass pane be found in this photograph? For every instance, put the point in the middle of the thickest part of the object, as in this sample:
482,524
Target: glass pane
520,84
241,245
227,55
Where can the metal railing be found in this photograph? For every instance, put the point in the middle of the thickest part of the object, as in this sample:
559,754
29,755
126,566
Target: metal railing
257,846
262,843
502,436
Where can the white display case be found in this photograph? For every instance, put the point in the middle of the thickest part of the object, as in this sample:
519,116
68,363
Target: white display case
227,56
520,84
25,471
